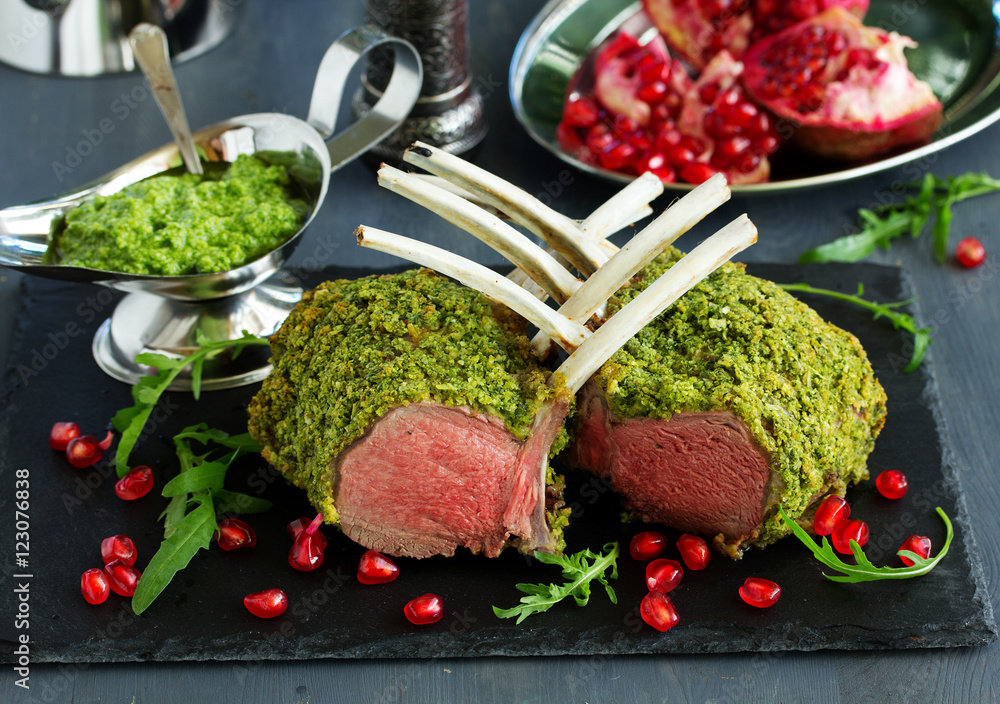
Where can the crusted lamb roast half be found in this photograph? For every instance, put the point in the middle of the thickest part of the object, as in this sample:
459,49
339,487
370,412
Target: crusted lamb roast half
415,415
735,400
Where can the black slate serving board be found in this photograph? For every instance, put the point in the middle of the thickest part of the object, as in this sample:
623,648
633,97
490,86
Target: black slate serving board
52,377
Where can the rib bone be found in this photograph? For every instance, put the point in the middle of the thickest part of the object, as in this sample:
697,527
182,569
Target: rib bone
567,333
548,273
674,283
555,229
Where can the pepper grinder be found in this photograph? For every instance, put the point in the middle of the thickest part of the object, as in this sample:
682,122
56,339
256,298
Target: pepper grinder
449,113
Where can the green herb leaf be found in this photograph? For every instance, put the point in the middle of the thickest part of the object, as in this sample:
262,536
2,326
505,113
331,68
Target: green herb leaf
921,336
865,571
207,476
581,568
147,392
192,533
234,502
934,199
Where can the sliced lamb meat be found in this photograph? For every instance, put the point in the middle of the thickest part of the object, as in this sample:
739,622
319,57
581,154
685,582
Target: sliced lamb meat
737,398
479,485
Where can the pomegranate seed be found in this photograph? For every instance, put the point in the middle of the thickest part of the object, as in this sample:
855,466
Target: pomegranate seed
663,575
85,450
760,592
891,484
599,142
266,604
135,484
234,533
666,139
123,577
652,92
307,550
61,434
647,545
299,525
424,609
658,611
118,547
969,253
919,544
680,155
832,511
708,92
743,116
94,586
697,173
581,112
376,568
694,551
568,137
618,156
666,174
847,531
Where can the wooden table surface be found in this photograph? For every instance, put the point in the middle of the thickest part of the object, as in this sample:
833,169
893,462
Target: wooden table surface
269,65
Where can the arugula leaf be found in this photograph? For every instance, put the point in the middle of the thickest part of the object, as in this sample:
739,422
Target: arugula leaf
207,476
865,571
191,534
921,336
147,391
582,568
880,226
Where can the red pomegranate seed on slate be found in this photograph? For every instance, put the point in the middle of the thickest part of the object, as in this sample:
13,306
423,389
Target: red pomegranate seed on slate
307,549
376,568
266,604
122,576
663,575
61,434
118,547
658,611
919,544
891,484
299,525
832,511
106,442
760,592
647,545
136,484
970,252
234,533
694,551
424,609
94,586
697,173
847,531
83,451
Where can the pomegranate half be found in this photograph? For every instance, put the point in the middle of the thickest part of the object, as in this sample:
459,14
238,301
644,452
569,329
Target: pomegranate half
843,88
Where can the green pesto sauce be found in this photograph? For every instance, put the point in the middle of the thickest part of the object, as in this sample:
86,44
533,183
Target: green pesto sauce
737,343
186,224
353,350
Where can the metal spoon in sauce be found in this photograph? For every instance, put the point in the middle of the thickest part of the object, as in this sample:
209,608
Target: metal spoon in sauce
164,313
149,47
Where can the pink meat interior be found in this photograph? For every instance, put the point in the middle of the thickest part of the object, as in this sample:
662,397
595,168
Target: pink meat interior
427,479
696,472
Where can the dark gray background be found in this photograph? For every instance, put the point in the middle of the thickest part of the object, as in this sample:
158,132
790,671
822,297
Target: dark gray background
269,65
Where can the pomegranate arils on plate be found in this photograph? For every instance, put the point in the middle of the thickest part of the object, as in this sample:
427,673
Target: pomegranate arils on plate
376,568
94,586
85,450
647,545
761,593
266,604
136,484
307,548
123,577
694,551
918,544
424,609
658,611
234,533
970,252
61,434
847,531
118,547
832,511
663,575
891,484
